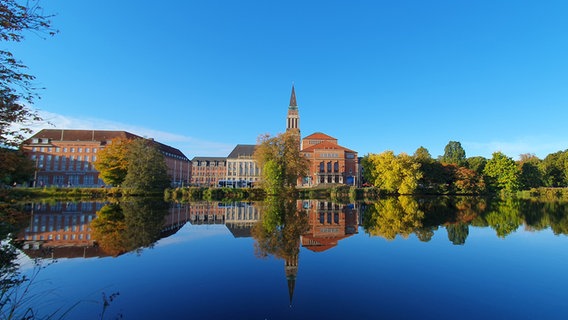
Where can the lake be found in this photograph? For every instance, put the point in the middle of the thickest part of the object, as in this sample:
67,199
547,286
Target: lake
397,258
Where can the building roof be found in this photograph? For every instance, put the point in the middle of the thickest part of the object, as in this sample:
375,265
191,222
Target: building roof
209,159
246,150
82,135
319,136
99,136
326,145
293,103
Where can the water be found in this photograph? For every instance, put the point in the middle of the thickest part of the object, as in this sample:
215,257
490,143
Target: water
439,258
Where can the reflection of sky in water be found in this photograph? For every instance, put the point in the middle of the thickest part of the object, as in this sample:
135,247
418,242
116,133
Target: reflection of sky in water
203,272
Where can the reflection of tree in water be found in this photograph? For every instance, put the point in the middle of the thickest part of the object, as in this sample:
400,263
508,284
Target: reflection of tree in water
278,234
393,216
504,216
12,219
130,225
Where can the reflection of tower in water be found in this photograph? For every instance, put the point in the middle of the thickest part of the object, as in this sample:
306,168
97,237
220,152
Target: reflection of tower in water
291,268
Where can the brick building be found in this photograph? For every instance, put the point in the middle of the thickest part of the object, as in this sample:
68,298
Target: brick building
208,171
329,162
66,157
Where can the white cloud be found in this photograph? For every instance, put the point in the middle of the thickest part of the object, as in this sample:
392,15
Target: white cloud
188,145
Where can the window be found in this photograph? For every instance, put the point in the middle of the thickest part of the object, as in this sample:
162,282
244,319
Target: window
72,150
64,149
79,149
94,150
87,150
321,169
57,149
329,166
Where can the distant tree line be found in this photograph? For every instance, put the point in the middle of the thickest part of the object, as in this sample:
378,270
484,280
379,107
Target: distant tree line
454,173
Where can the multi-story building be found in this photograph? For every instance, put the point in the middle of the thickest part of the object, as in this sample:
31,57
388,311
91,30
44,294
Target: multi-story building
241,165
208,171
329,162
66,157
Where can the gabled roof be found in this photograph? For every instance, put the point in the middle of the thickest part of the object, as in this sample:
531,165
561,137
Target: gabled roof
319,136
240,150
326,145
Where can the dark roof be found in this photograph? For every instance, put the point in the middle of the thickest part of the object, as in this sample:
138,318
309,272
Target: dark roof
242,150
82,135
209,159
99,135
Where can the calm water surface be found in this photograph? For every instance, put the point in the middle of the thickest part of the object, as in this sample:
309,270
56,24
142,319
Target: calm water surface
440,258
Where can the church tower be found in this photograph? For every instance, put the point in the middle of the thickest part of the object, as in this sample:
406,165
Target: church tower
293,119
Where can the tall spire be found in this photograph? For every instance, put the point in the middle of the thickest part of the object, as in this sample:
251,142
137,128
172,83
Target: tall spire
293,103
293,118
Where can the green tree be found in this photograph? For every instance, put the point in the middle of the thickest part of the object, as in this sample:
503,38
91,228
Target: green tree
112,161
476,164
17,91
554,169
280,160
502,173
454,154
530,176
147,170
457,233
394,174
15,167
422,155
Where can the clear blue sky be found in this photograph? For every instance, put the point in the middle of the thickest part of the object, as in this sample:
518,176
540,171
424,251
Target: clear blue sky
204,76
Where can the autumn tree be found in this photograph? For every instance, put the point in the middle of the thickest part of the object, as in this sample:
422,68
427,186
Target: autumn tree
280,161
17,90
112,161
394,174
502,173
476,164
391,216
454,154
147,170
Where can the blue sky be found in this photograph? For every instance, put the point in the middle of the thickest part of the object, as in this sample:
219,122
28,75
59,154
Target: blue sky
204,76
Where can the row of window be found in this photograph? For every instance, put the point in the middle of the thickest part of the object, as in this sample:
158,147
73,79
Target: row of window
58,149
50,157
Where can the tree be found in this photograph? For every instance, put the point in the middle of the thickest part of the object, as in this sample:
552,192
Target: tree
17,91
422,155
280,160
502,173
554,169
454,154
15,166
112,161
147,170
530,176
390,217
476,164
394,174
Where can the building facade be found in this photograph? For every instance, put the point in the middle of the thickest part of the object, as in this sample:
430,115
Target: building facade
66,157
330,163
241,165
208,171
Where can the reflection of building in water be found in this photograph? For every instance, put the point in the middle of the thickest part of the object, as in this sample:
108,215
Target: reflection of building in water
62,229
206,213
62,225
328,223
240,218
